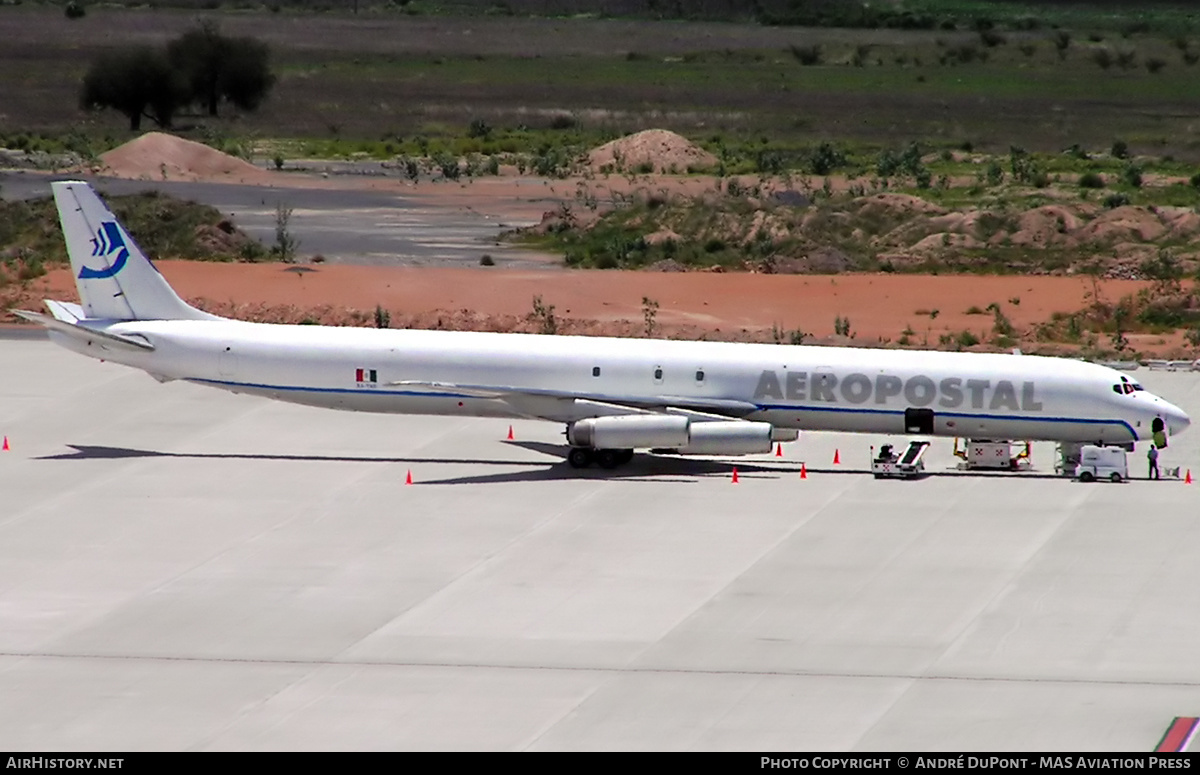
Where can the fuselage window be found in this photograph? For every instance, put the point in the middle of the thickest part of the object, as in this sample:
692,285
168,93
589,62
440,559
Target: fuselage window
658,373
1117,389
700,375
1128,388
595,371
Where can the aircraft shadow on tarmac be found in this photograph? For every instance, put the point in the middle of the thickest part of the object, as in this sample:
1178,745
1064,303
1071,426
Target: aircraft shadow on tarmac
647,467
677,468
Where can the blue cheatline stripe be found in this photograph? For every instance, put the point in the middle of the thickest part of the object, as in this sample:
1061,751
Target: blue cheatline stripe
300,389
961,415
762,407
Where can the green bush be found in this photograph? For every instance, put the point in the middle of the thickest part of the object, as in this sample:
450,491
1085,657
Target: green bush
1091,180
966,339
807,55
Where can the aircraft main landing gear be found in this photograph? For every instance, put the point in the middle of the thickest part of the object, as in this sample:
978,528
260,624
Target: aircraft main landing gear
582,457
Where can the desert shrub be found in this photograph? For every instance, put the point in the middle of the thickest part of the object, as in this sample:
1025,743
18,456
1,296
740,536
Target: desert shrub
1091,180
1154,64
1120,149
825,158
995,174
768,161
1062,42
807,55
1134,27
964,53
448,164
479,128
1113,201
1103,57
1026,169
1194,180
991,38
74,10
1133,175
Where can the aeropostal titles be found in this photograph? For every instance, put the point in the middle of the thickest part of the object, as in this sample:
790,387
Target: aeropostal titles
918,391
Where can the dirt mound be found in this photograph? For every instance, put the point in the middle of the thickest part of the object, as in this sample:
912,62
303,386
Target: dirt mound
1047,225
158,156
1183,222
1130,223
662,150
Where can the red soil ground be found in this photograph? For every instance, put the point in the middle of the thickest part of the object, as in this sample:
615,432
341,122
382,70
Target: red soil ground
717,306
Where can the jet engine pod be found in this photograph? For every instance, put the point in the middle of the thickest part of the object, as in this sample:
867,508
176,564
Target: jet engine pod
629,431
728,438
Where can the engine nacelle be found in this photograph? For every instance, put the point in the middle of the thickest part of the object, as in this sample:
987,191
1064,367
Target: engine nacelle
784,434
728,438
630,431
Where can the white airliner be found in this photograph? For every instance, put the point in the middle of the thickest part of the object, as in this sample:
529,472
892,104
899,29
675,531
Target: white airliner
613,395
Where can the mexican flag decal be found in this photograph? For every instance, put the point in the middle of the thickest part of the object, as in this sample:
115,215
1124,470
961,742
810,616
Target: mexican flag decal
365,375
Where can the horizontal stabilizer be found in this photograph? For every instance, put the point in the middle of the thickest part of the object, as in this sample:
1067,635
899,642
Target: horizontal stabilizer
65,311
86,335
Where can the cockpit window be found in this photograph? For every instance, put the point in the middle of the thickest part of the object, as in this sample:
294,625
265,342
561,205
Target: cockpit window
1127,388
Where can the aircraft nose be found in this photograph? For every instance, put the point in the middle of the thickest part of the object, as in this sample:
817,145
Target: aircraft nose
1177,419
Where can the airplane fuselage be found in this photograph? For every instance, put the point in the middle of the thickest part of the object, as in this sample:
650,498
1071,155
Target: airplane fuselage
803,387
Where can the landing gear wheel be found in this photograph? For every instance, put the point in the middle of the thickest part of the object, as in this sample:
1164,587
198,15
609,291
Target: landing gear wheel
579,457
609,458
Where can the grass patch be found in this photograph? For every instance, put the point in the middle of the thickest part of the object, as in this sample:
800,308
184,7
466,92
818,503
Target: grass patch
162,225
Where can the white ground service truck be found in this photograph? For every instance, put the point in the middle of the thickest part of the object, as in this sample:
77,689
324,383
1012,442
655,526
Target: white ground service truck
1101,463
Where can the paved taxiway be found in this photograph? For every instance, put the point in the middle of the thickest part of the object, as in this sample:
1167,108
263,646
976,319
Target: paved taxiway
182,568
359,227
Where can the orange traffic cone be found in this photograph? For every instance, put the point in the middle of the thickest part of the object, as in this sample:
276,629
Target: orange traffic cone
778,450
5,449
803,471
1187,479
408,479
510,436
735,481
837,459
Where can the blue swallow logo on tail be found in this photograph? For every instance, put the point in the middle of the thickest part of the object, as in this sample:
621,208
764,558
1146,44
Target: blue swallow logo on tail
106,242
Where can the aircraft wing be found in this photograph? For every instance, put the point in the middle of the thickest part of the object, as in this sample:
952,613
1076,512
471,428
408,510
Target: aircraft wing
568,406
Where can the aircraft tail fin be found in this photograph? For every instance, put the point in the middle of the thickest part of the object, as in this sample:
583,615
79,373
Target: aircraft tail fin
115,279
